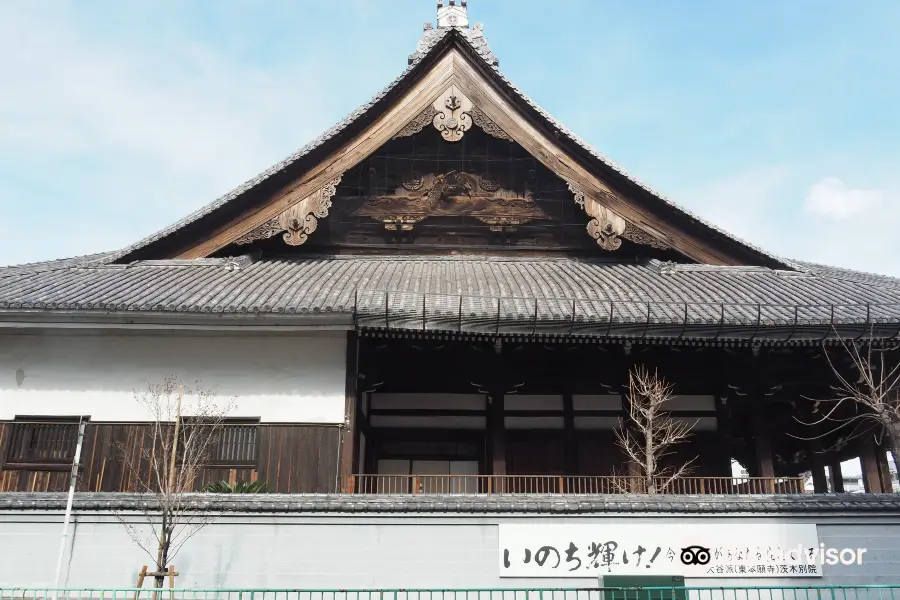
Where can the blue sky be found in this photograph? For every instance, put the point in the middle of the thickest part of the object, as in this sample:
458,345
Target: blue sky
776,120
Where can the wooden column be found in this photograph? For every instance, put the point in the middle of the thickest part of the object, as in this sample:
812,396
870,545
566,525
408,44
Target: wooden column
869,463
723,434
820,481
884,468
349,458
837,477
762,444
496,433
570,449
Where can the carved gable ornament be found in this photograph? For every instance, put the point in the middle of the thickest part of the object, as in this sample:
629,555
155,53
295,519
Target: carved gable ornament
451,194
299,221
608,227
453,114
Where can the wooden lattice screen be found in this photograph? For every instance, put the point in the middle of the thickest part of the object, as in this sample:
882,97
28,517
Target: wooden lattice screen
46,444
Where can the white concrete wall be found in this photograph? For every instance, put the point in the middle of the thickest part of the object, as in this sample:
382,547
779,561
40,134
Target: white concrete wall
321,551
287,379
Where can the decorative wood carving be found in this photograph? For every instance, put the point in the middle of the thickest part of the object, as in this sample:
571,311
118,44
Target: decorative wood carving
606,226
477,116
489,127
299,221
488,184
420,122
452,194
639,236
413,181
452,116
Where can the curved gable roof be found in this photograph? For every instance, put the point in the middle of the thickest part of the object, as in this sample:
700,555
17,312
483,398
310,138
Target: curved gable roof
433,44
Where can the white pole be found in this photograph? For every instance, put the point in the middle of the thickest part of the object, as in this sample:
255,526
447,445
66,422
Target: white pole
62,542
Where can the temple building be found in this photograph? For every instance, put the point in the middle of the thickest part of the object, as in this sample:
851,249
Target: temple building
431,312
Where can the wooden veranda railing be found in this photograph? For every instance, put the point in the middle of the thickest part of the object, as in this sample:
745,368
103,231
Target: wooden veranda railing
562,484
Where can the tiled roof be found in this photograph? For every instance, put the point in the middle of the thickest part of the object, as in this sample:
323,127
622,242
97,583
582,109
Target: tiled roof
566,295
474,37
515,504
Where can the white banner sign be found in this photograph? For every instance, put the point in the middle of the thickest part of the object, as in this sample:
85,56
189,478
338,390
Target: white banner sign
593,550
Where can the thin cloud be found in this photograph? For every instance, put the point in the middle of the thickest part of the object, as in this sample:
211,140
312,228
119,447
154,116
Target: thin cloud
832,224
833,199
91,129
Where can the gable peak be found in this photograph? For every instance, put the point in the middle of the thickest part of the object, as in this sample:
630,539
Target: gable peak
453,14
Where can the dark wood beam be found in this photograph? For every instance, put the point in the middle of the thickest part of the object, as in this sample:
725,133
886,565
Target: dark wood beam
350,433
884,469
496,434
820,481
869,463
762,443
837,477
570,452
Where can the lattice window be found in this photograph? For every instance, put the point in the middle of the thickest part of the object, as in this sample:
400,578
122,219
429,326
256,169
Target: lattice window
42,443
234,444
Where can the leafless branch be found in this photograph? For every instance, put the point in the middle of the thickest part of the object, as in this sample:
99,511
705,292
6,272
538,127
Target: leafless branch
871,386
167,462
650,433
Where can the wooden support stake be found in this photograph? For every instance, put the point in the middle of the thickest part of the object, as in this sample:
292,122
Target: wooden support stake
140,581
169,572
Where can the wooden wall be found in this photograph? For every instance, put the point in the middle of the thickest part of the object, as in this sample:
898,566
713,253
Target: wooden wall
291,459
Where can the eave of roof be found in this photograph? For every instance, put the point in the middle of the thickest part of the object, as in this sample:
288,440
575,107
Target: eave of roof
500,295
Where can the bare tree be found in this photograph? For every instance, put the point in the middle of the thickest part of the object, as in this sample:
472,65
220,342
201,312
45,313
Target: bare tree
166,467
869,395
649,433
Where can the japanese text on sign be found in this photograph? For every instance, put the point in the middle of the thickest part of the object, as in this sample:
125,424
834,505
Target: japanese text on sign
591,550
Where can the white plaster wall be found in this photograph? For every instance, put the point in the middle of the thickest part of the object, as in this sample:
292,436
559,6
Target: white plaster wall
287,379
441,551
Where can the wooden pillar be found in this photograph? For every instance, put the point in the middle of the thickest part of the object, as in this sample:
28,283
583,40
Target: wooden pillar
762,444
869,463
837,477
349,458
570,448
723,434
884,468
496,433
820,481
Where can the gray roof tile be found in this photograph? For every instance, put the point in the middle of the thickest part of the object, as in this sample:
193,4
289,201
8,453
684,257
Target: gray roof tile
472,289
518,504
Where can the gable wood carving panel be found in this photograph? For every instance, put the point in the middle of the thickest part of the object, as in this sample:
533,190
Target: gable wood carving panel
456,71
452,116
479,119
605,225
420,122
299,221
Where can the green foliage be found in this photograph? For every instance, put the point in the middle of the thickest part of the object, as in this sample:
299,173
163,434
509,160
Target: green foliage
240,487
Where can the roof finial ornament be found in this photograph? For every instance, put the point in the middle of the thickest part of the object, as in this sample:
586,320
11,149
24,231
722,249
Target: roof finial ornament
452,15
